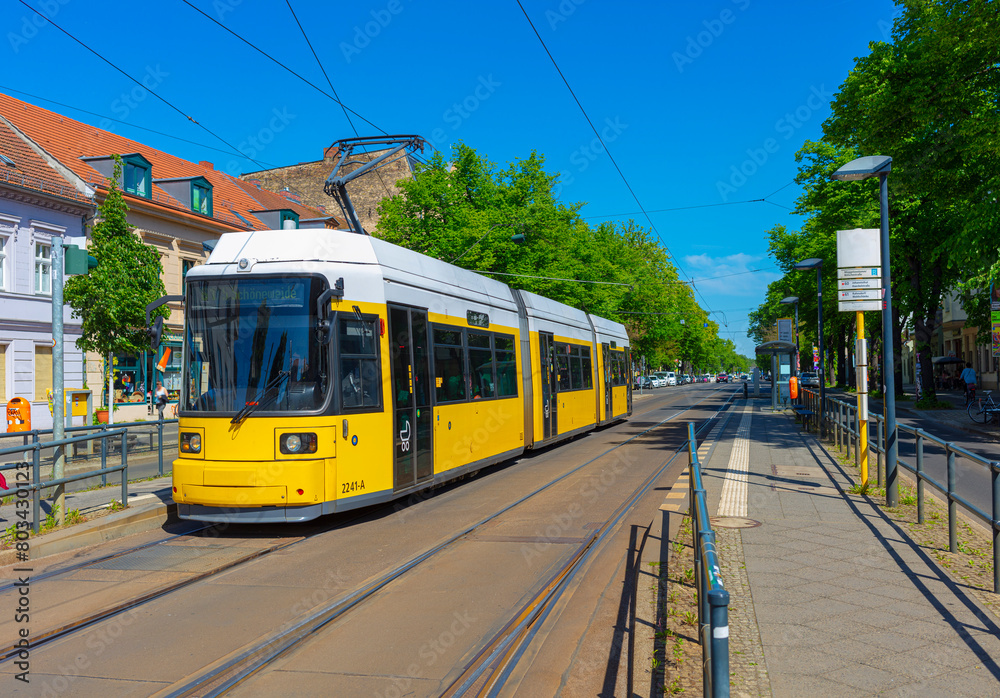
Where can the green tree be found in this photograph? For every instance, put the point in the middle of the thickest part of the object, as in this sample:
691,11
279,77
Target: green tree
111,300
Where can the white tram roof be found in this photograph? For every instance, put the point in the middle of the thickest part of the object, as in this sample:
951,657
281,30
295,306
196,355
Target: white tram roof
418,272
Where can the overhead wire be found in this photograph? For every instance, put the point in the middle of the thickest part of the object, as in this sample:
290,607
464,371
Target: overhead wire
334,90
604,145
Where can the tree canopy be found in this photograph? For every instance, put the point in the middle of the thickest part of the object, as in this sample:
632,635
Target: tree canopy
466,211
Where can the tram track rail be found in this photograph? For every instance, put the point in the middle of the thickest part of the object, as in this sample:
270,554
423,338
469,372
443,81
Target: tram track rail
221,676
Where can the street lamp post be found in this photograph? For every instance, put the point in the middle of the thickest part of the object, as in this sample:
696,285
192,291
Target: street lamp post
863,168
817,264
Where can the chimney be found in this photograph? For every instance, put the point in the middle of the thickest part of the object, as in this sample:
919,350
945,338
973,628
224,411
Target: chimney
254,182
330,153
206,164
290,195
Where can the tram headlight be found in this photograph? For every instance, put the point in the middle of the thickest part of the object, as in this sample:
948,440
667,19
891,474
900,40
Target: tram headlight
190,442
297,443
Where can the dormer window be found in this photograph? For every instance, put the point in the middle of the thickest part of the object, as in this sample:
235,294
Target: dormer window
137,175
201,197
289,216
194,193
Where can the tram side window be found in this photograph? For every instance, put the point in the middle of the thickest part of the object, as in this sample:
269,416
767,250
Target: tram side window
562,367
449,374
576,368
360,385
506,365
586,368
481,365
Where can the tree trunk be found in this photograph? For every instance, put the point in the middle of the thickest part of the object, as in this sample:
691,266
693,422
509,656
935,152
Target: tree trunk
111,388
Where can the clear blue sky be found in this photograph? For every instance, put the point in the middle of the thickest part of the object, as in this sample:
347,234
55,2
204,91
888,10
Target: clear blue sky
686,97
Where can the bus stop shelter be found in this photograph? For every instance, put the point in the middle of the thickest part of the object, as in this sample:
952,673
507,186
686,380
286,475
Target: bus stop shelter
782,365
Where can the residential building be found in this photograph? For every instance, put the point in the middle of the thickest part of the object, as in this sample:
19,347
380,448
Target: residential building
36,204
174,205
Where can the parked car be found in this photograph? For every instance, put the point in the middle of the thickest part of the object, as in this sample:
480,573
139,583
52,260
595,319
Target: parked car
809,379
658,381
722,378
643,382
671,378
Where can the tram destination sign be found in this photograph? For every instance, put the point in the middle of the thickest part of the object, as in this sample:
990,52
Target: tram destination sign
846,284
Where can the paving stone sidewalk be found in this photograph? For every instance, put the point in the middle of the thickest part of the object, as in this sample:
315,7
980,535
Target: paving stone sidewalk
839,598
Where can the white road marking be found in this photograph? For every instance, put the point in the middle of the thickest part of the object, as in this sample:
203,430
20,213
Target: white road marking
734,489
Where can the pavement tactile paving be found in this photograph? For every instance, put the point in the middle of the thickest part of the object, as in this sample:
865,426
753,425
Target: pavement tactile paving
836,596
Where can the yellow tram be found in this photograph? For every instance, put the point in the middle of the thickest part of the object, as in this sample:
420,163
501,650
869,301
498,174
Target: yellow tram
326,370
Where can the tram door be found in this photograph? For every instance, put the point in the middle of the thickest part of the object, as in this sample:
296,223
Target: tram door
549,399
413,461
606,353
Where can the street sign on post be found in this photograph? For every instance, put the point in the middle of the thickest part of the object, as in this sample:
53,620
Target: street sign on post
854,306
859,272
866,282
860,294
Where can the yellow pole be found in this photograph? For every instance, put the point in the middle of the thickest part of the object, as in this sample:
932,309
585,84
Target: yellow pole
862,395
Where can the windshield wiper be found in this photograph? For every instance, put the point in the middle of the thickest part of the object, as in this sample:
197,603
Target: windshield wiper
258,400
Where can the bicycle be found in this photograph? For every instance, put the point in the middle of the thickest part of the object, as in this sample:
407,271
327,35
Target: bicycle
983,411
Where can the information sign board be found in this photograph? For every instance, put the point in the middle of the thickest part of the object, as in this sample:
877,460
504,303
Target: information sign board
854,306
860,294
785,330
859,272
844,284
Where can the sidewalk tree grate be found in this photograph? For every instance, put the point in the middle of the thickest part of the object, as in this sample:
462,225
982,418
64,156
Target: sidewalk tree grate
733,522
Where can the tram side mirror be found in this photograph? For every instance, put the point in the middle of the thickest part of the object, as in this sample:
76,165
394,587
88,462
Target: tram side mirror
155,334
155,329
323,333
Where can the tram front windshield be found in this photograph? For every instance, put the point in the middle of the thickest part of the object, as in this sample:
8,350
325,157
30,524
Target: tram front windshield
252,340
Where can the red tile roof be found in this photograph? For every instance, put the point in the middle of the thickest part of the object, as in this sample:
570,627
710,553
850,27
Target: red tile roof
29,170
68,140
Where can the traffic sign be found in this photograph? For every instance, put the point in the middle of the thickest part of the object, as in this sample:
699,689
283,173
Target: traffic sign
854,306
860,294
845,284
858,272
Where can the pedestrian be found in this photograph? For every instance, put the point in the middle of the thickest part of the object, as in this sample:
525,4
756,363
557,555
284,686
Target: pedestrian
161,398
969,378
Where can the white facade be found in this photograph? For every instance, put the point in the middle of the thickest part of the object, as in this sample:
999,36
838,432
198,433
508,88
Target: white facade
28,222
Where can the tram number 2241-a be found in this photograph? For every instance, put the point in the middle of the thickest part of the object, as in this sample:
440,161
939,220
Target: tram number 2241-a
355,486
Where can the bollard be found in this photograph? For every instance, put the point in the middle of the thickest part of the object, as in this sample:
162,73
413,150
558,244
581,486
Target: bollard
952,504
718,599
124,469
920,476
159,429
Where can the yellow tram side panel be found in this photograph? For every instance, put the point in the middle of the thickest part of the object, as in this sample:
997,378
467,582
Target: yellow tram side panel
465,432
241,466
366,466
537,415
619,400
577,408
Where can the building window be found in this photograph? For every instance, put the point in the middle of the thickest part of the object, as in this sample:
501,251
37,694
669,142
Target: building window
288,216
43,269
43,372
201,199
137,179
3,264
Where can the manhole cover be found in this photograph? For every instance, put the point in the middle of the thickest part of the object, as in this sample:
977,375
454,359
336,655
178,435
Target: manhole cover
733,522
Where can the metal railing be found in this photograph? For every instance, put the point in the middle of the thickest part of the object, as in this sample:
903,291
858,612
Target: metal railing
842,417
713,599
20,483
133,438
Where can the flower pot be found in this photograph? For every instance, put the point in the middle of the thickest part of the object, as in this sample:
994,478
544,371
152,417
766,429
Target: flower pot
102,415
